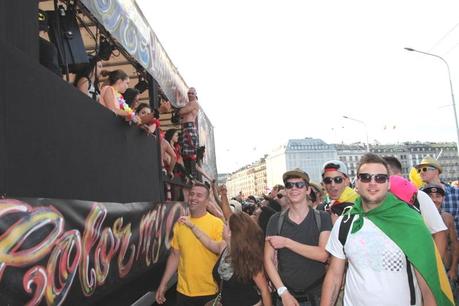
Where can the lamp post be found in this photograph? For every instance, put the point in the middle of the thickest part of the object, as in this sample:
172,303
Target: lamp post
366,129
450,85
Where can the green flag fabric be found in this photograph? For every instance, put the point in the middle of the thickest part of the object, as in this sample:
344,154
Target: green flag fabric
407,229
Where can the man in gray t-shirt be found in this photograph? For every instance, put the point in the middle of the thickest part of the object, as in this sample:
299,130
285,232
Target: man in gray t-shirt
300,243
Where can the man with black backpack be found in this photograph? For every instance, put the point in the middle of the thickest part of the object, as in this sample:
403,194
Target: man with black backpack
391,255
299,235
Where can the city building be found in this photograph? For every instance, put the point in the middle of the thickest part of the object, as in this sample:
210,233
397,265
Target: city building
308,154
249,180
412,153
350,156
408,153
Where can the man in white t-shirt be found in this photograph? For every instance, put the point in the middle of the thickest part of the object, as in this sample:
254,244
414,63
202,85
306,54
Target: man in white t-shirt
377,272
427,207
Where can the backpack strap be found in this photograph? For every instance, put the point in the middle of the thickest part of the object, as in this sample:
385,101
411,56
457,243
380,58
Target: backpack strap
318,219
416,204
344,228
280,221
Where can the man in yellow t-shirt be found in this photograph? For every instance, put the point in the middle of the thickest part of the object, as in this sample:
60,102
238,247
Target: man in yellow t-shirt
190,257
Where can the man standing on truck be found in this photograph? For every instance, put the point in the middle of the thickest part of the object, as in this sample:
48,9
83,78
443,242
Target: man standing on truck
189,143
193,261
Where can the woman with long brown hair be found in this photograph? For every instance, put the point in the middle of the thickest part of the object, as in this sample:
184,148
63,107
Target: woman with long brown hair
240,266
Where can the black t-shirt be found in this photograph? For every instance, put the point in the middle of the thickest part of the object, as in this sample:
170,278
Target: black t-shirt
298,272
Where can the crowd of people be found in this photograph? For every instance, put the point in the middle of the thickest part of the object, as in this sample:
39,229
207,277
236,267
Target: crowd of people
378,241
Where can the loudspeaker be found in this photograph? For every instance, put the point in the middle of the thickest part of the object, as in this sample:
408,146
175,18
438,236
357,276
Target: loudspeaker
65,33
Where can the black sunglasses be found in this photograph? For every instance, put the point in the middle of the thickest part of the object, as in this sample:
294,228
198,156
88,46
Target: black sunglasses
289,185
336,179
379,178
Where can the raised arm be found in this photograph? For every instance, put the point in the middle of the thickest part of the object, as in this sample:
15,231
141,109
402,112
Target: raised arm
224,203
215,210
203,173
214,246
215,193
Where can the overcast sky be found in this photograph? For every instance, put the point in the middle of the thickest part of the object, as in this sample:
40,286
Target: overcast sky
267,71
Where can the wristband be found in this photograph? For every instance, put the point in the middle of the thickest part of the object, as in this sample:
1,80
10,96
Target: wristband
281,290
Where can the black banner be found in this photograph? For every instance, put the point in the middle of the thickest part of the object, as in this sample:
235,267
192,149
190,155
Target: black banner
69,252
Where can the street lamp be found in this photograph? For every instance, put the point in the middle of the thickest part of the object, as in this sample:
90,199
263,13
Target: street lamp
366,129
450,85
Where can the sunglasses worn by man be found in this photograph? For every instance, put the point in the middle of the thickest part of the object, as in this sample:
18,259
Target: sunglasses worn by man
425,169
336,179
378,178
299,185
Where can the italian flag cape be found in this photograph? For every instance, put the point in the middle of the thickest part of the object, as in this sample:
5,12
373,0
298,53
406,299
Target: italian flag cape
406,228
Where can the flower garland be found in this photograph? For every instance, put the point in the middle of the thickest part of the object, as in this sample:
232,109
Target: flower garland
124,106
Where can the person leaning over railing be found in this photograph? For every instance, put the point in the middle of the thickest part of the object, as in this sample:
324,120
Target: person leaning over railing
147,120
111,95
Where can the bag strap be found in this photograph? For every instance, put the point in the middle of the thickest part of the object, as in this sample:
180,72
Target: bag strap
280,221
318,219
344,228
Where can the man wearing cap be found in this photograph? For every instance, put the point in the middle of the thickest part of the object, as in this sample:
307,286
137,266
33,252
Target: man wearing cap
316,194
336,181
300,242
437,194
430,170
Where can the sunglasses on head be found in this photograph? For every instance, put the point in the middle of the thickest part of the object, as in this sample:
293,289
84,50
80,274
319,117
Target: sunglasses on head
289,185
336,179
425,169
379,178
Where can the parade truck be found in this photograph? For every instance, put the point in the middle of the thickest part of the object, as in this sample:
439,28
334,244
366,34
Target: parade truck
84,218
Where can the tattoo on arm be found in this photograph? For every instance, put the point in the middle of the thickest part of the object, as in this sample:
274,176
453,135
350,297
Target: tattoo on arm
334,295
